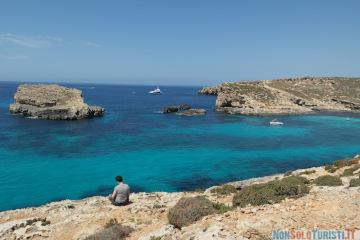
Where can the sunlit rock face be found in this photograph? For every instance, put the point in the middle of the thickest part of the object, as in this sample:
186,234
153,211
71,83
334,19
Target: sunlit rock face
51,101
287,96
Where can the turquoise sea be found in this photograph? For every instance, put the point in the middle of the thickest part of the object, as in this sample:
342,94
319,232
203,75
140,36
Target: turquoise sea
43,161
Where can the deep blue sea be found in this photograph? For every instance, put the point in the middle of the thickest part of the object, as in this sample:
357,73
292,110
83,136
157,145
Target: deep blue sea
43,161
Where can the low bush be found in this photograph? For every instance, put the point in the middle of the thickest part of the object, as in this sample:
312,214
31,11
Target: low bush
155,238
113,232
222,208
340,164
271,192
350,171
295,180
189,210
328,180
345,162
28,222
45,222
224,190
307,172
330,168
355,182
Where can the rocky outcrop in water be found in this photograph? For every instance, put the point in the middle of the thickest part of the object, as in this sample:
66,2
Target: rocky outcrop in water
185,106
170,109
287,96
184,110
192,112
51,101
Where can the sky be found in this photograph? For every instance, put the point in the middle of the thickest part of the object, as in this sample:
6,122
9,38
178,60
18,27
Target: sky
177,42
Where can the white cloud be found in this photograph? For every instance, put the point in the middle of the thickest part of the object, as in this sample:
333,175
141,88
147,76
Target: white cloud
91,44
24,41
13,57
39,41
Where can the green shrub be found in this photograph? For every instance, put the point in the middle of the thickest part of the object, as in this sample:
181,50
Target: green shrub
345,162
307,172
34,220
155,238
350,171
189,210
355,182
328,180
271,192
113,232
330,168
222,208
45,222
340,164
224,190
295,180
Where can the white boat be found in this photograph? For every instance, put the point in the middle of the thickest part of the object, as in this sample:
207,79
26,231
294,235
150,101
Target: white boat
157,91
275,122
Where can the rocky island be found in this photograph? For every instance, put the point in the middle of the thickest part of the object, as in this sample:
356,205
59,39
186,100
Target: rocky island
325,198
184,110
51,101
287,96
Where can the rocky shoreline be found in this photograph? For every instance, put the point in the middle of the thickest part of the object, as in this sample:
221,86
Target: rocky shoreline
326,205
287,96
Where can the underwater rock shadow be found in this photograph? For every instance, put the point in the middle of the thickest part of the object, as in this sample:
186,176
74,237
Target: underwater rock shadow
198,182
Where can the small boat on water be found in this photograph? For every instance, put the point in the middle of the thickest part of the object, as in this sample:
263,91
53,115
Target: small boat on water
275,122
156,91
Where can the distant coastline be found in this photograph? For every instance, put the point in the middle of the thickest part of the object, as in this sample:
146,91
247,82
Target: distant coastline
287,96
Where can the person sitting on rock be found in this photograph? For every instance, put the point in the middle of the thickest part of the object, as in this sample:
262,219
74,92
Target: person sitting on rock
121,193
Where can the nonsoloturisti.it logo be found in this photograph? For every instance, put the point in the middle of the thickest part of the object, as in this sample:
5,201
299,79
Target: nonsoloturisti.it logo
316,234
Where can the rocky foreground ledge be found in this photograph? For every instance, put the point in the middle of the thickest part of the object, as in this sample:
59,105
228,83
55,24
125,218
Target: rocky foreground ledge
51,101
287,96
325,198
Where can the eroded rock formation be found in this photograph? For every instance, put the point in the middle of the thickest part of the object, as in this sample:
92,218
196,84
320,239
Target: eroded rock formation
51,101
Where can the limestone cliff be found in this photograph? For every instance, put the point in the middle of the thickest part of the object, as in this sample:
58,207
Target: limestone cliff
287,96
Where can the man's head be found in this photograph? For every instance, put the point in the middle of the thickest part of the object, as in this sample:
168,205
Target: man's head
119,179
